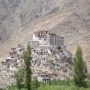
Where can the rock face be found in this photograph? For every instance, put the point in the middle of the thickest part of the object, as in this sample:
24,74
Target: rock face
16,13
49,61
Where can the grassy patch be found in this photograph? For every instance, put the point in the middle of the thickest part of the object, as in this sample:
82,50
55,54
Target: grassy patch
56,85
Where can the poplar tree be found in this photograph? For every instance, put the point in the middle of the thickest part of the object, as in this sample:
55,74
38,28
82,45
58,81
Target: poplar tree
19,76
27,62
79,68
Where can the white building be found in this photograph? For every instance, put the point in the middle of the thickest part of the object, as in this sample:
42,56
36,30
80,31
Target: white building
45,38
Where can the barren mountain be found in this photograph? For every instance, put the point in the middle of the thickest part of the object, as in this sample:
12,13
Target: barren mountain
16,13
67,18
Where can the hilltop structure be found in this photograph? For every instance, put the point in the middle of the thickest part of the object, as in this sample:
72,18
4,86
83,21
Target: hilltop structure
45,38
50,59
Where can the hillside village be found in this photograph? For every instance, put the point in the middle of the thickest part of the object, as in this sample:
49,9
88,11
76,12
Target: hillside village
50,59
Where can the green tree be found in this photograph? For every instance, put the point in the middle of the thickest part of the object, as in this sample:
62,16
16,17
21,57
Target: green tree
27,59
19,76
35,84
79,68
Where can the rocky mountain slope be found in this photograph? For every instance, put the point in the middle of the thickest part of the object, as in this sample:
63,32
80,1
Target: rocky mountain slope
16,13
67,18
